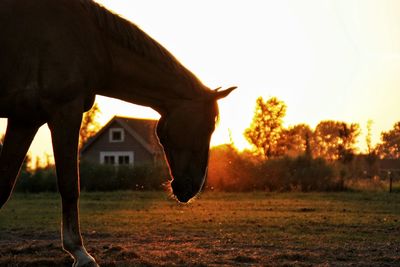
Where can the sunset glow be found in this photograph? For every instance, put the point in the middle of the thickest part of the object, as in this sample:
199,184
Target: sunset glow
336,60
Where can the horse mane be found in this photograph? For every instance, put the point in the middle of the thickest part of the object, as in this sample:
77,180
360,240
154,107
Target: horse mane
130,36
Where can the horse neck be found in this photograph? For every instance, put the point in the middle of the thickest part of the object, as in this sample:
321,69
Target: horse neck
142,81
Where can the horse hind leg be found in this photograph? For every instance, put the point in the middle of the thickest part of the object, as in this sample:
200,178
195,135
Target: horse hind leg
64,126
19,136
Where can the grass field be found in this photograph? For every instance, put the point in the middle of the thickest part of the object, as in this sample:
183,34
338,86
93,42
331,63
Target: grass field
217,229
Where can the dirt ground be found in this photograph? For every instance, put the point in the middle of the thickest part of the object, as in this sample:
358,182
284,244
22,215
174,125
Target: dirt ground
41,250
216,230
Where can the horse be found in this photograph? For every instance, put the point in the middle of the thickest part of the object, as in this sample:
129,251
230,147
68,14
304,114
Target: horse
55,57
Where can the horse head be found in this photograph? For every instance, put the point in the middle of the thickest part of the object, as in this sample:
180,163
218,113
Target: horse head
185,134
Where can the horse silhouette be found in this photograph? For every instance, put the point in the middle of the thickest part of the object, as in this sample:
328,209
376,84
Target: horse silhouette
55,57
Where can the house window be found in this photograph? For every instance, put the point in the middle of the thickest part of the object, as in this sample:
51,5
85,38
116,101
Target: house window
117,158
109,160
123,160
117,135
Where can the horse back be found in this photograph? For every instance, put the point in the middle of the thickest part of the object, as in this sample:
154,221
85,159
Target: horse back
51,52
48,44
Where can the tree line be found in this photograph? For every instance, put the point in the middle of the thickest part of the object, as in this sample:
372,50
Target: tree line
281,159
298,157
331,140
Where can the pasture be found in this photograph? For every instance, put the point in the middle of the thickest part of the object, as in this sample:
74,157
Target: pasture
217,229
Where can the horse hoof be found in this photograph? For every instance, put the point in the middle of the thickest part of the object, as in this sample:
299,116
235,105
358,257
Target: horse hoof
90,263
87,264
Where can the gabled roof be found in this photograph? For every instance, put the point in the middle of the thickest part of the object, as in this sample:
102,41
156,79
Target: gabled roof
143,130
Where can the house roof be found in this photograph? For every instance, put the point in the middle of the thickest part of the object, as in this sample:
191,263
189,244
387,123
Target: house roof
143,130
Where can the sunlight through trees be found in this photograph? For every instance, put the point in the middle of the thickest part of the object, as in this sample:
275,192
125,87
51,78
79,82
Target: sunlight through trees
331,140
90,125
265,130
390,145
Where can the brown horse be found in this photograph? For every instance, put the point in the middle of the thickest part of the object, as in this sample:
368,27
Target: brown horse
55,56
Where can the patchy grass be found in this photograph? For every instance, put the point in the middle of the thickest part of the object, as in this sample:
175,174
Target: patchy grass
217,229
372,185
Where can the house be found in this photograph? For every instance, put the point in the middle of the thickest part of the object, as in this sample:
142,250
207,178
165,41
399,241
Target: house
124,141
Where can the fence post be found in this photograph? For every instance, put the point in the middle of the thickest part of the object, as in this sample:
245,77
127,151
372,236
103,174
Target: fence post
390,181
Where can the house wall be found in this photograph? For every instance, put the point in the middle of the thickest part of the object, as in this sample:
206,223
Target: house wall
103,144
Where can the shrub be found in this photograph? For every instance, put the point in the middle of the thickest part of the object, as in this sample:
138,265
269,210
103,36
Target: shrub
229,170
95,177
300,173
312,174
41,180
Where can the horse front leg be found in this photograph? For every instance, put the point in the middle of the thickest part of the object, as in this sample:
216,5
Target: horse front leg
64,126
19,136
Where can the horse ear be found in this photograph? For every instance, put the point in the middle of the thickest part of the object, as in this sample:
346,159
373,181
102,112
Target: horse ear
217,94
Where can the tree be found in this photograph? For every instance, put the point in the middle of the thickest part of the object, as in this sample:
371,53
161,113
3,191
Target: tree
348,134
368,138
266,128
295,140
326,138
90,125
390,143
371,156
335,140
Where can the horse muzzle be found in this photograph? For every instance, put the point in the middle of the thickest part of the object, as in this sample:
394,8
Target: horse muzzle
185,189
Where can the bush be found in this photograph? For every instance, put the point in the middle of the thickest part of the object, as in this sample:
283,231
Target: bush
96,177
229,170
301,173
313,175
41,180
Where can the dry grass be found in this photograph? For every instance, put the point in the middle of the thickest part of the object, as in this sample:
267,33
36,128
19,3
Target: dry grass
376,184
218,229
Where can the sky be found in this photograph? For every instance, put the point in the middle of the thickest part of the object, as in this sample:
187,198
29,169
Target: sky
326,59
